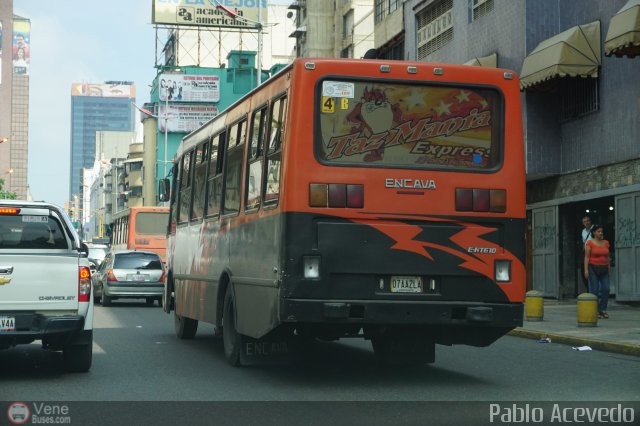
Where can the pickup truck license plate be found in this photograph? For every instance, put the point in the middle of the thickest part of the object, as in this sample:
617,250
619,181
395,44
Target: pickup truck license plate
7,324
406,284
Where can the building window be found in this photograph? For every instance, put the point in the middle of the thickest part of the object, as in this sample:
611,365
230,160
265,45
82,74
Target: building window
479,8
578,96
380,10
435,27
395,52
384,8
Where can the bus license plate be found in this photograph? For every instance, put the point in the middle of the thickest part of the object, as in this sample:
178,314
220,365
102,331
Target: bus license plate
7,324
404,284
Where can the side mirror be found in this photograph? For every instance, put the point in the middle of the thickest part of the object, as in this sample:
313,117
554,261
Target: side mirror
164,189
83,250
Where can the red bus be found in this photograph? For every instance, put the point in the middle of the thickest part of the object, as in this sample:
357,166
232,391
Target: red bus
141,228
354,198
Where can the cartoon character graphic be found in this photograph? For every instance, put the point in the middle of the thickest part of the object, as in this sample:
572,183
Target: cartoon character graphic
374,115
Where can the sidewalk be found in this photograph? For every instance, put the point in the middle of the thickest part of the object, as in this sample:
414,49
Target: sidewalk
620,333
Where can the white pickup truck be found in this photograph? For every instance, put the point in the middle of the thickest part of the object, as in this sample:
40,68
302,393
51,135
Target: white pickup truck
45,282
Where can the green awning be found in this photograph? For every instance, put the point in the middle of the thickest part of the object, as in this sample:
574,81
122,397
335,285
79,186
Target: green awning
574,53
623,36
485,61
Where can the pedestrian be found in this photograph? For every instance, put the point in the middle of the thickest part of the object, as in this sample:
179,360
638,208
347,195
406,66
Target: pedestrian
597,268
585,235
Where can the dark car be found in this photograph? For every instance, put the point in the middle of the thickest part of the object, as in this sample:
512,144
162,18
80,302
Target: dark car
129,274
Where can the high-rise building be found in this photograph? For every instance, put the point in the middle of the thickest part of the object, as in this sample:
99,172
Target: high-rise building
15,55
96,107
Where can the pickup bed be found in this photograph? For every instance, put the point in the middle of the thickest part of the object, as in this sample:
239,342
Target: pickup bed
45,282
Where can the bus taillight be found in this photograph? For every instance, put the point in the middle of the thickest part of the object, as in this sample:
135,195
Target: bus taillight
336,195
481,200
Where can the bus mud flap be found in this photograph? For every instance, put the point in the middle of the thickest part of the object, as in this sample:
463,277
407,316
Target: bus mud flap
266,350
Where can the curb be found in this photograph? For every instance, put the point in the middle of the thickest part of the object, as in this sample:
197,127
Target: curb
602,345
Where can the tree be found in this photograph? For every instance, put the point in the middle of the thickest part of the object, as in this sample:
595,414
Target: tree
6,194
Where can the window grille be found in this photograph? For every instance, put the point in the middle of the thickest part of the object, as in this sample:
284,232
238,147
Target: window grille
481,8
579,96
380,10
435,28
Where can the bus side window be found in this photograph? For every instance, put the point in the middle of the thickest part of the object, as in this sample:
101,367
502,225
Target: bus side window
233,170
214,182
274,153
199,181
253,184
185,188
173,207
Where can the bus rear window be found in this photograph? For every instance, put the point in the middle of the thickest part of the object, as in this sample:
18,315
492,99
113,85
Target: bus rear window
152,223
409,125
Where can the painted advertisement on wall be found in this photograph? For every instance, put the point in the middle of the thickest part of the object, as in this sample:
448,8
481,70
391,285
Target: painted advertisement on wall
189,88
21,51
104,90
185,118
205,13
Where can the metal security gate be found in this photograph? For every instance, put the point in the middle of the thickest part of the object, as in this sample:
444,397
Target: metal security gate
627,247
545,251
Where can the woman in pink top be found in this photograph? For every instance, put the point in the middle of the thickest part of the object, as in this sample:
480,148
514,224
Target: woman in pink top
597,268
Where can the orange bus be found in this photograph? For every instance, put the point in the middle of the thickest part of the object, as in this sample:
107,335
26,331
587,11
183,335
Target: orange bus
141,228
353,198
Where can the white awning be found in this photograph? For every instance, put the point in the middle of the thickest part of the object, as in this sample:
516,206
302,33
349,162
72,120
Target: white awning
484,61
574,53
623,36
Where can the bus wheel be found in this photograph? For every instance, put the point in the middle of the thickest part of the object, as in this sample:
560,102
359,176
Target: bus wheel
232,340
185,327
403,348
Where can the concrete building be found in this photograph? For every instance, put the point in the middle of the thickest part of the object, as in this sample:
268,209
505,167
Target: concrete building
581,112
15,56
340,29
95,107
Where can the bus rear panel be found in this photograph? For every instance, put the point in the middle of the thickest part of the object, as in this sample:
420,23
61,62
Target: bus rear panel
414,208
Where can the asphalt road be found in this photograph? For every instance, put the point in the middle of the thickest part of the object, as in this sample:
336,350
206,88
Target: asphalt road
138,358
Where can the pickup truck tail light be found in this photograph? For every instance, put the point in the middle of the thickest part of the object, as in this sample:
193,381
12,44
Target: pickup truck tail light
84,284
111,277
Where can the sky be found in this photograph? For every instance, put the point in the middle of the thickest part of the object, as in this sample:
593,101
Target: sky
78,41
89,41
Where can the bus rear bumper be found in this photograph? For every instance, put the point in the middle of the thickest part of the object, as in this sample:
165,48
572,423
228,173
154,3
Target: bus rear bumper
476,324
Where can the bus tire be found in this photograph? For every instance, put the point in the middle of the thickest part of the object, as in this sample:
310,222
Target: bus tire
400,348
232,340
185,327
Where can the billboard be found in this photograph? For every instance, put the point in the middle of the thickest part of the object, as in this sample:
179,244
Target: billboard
104,90
189,88
185,118
21,53
212,13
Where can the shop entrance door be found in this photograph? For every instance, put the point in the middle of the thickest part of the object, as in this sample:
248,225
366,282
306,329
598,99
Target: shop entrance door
545,251
627,247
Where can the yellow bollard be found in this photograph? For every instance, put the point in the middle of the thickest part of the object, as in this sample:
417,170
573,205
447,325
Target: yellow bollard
587,308
534,305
